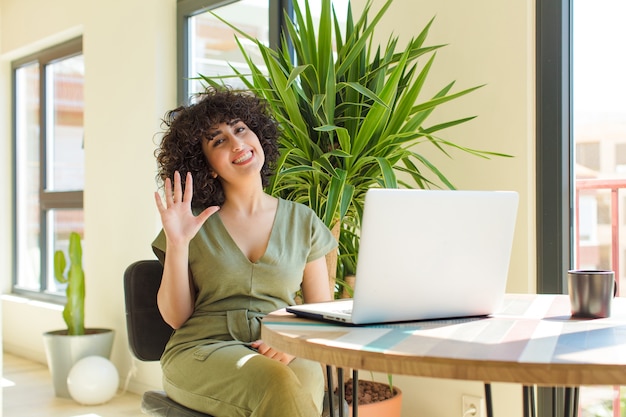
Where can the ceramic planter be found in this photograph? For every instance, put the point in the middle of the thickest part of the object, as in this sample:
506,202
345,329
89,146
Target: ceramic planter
63,351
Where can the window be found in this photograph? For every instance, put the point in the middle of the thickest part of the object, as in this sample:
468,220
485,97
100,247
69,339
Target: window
213,48
579,81
49,162
208,46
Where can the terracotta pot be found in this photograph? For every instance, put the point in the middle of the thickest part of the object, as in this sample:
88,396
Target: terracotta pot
387,408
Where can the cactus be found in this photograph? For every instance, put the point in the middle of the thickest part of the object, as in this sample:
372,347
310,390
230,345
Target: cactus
74,311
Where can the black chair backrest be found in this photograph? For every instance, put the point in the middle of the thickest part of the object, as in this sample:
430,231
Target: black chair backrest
147,332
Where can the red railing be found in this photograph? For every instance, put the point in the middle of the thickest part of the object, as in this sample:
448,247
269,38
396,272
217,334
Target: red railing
614,186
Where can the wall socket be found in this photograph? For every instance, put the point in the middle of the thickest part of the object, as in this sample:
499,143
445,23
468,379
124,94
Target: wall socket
472,406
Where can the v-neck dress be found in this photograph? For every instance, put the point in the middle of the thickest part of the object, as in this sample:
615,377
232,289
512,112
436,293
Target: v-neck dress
207,363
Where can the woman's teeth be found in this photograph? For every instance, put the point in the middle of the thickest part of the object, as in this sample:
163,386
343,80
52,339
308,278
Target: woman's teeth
243,158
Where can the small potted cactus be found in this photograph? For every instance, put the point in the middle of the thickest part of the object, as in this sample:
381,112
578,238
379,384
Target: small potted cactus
65,347
74,311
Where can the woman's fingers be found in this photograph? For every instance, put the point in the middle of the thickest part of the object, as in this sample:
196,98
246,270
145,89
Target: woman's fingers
178,188
271,353
168,192
208,212
159,202
188,188
178,195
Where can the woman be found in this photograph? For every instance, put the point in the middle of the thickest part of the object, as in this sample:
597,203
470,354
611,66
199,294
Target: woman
231,254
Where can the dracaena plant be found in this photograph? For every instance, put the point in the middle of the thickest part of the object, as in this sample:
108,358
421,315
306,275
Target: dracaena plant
353,114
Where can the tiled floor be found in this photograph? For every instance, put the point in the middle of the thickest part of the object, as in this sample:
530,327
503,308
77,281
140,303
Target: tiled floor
27,392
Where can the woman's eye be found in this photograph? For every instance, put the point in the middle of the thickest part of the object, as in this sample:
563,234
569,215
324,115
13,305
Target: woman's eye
218,141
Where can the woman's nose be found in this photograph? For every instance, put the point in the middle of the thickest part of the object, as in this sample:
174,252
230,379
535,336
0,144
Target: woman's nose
237,143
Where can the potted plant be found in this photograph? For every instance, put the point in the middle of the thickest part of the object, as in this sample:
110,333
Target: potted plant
65,347
374,398
352,116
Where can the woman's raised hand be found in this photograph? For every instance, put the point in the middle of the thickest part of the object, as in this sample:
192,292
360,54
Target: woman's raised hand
179,223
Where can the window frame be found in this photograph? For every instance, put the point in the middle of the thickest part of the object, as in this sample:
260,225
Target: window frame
554,145
189,8
48,200
554,163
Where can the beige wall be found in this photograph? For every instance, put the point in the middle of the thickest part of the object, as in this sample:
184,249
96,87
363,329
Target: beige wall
492,43
129,50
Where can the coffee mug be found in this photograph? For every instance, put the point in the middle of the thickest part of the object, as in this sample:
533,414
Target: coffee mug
591,292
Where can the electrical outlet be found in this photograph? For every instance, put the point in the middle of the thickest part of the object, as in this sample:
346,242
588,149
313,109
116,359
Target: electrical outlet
472,406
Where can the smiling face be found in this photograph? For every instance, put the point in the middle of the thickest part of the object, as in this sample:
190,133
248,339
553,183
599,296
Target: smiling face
233,150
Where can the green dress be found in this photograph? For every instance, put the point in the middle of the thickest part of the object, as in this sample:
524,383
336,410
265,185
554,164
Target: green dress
208,364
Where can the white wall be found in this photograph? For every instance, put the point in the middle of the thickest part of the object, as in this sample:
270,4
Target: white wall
129,50
5,222
5,183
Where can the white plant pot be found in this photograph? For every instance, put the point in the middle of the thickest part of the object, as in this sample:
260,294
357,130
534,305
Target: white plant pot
63,351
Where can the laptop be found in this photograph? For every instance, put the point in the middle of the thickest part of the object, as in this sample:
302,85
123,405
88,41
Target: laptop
427,254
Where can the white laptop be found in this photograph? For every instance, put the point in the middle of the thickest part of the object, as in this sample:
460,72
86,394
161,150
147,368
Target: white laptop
427,254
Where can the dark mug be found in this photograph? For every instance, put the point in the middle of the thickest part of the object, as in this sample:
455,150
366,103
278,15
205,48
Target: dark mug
591,292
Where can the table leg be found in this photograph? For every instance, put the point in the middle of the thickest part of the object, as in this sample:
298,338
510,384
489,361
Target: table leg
488,401
331,391
571,402
341,393
355,393
568,402
529,401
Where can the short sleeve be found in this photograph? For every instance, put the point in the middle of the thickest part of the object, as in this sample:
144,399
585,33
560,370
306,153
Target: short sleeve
322,240
159,246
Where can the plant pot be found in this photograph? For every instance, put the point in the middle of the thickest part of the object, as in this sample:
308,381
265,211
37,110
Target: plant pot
63,351
390,407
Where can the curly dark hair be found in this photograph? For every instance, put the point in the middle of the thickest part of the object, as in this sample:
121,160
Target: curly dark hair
181,147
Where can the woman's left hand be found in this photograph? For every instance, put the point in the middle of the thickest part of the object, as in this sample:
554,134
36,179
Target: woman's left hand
272,353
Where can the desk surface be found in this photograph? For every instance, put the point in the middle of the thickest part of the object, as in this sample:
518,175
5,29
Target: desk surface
533,340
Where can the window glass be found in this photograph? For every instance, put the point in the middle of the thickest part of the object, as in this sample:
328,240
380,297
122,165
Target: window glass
599,127
213,49
65,136
49,168
27,147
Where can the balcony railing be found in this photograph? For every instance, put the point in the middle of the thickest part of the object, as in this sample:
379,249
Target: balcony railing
601,184
613,186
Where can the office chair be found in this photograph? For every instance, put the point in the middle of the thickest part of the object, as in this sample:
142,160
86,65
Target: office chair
148,334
